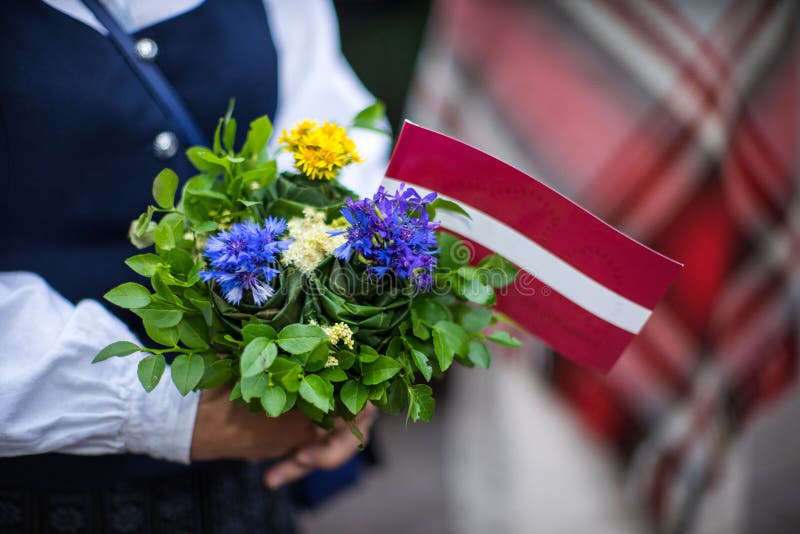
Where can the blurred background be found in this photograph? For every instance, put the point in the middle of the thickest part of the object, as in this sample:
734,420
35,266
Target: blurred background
676,121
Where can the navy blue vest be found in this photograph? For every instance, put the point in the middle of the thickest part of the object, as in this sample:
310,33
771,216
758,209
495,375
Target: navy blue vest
76,156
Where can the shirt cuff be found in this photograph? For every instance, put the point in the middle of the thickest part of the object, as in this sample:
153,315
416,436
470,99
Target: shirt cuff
161,423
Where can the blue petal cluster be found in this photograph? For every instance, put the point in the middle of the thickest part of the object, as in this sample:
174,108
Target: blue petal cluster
392,232
244,258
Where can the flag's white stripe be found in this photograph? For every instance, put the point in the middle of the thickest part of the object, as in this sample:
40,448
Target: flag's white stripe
551,270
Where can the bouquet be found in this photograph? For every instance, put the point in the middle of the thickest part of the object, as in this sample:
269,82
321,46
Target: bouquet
284,285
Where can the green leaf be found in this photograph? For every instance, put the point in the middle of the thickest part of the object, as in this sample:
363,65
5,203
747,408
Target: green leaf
479,354
229,137
448,205
378,392
396,396
206,227
164,187
368,354
161,317
354,396
346,359
258,135
371,117
497,271
420,402
264,176
380,370
118,348
206,161
333,374
180,262
257,356
286,372
429,311
316,358
501,337
476,319
253,387
453,253
216,145
150,371
236,392
205,309
193,333
167,336
449,339
163,236
300,338
216,374
161,288
143,264
469,286
317,391
291,399
273,400
187,370
129,295
421,361
310,411
253,330
142,224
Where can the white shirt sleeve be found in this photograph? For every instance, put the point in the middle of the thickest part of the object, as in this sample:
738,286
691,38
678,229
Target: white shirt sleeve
53,399
316,82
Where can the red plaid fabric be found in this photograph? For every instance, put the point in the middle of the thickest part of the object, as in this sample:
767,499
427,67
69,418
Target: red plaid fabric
680,128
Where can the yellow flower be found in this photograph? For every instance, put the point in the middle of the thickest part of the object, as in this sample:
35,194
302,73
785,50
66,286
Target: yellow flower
319,152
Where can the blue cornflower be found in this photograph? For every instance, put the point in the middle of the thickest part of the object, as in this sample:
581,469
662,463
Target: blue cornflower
392,233
244,258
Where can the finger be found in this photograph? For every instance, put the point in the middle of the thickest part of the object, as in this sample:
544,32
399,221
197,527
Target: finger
286,471
340,446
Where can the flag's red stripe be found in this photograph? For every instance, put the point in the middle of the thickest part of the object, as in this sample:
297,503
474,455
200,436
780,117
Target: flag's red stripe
560,323
459,171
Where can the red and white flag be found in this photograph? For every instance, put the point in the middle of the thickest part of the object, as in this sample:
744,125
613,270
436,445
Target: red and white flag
585,288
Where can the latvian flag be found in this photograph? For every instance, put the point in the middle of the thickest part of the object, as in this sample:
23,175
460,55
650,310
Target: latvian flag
585,288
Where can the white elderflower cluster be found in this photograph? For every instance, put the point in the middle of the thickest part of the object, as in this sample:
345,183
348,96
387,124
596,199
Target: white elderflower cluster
312,243
339,332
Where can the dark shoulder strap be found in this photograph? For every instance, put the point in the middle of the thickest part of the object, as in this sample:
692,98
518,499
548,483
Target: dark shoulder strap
151,77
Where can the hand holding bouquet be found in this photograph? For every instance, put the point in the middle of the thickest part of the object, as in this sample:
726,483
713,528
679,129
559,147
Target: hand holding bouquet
285,285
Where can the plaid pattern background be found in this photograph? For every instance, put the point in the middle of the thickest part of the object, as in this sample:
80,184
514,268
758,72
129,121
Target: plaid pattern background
679,127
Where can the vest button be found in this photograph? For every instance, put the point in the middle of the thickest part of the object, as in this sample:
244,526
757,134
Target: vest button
146,49
165,145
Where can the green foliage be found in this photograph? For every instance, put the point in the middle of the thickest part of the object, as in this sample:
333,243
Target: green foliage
501,337
449,339
380,370
273,399
372,118
164,187
479,354
118,348
354,395
150,370
129,295
187,370
317,391
300,338
257,356
420,402
275,356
